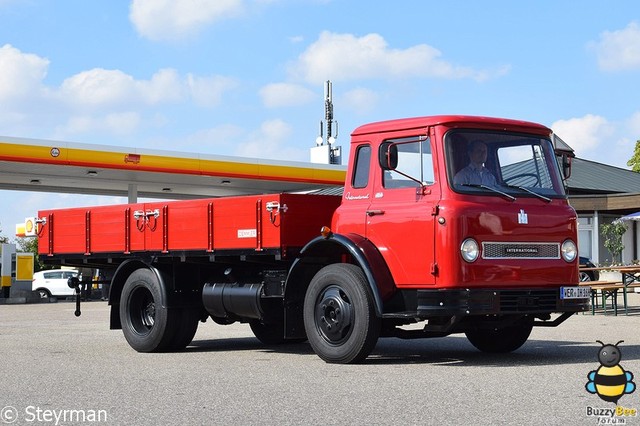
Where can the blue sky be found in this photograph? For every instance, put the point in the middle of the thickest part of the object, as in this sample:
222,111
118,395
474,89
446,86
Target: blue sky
246,77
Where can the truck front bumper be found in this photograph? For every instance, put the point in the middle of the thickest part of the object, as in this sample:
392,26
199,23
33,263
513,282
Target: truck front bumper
539,301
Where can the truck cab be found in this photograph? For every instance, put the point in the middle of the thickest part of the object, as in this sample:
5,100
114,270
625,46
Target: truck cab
486,248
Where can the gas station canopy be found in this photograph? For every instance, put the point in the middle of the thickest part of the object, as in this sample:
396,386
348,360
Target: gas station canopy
53,166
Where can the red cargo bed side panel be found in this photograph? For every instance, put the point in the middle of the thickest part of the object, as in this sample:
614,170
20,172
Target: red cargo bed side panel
239,223
90,230
304,216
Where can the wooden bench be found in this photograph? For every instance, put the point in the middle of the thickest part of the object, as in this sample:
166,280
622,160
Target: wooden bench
608,289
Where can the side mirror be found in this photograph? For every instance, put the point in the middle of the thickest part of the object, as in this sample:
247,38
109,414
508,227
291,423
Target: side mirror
388,157
566,166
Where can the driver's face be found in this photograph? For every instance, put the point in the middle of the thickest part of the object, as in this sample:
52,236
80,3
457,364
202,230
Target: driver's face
479,153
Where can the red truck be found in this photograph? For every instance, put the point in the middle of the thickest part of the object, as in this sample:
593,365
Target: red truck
413,239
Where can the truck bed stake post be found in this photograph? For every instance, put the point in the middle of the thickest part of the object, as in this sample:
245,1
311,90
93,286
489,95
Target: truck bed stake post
127,230
50,221
259,225
210,227
87,232
165,229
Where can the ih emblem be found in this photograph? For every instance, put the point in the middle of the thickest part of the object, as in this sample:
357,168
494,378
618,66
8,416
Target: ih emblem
522,217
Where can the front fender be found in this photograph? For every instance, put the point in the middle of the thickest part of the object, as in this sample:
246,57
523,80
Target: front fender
338,248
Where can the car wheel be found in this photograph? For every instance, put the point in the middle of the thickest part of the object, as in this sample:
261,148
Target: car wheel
43,293
585,276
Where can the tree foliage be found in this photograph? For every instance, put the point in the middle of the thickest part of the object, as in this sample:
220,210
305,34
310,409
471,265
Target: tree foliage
612,233
634,162
3,239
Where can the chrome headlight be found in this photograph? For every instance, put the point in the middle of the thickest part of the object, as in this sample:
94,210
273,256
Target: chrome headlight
569,251
469,250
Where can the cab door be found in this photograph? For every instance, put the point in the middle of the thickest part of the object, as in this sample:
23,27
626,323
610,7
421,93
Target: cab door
401,216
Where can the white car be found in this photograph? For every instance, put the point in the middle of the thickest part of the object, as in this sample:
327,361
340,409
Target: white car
53,282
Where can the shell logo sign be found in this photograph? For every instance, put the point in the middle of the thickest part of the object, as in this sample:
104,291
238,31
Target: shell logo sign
29,229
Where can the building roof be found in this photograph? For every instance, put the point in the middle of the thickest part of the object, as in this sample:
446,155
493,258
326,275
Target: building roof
590,177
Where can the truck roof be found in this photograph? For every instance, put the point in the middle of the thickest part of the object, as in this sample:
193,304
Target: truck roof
458,120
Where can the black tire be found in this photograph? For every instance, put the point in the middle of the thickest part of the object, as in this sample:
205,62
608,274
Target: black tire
146,324
269,334
339,314
585,276
501,340
186,329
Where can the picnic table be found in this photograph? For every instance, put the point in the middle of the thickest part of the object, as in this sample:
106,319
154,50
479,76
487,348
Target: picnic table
630,278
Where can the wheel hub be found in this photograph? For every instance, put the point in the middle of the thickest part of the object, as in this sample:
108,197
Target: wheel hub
334,314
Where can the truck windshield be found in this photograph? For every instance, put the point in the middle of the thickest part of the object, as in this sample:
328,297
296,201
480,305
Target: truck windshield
512,163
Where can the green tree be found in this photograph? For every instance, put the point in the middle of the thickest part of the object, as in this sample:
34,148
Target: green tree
634,162
3,239
612,233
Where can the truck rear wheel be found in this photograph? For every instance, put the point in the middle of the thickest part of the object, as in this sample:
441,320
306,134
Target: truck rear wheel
269,334
146,324
186,329
501,340
339,314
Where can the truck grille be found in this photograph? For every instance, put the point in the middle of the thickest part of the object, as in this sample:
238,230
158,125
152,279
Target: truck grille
491,250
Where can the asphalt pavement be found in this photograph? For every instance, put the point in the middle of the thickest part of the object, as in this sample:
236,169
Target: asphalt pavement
59,369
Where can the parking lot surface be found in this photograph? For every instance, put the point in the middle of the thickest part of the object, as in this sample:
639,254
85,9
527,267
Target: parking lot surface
55,365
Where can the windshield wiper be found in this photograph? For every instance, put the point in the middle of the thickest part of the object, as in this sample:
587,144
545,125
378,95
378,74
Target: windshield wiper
476,185
522,188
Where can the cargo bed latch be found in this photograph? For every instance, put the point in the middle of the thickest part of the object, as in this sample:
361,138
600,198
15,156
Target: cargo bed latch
144,218
274,208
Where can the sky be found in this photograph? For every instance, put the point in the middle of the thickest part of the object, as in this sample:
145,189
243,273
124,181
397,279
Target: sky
246,77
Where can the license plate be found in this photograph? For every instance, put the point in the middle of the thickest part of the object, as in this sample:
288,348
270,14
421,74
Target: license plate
575,292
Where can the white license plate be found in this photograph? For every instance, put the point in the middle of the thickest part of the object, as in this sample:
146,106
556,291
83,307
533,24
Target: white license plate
575,292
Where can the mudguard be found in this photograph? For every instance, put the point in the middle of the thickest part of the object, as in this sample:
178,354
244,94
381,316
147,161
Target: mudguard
322,251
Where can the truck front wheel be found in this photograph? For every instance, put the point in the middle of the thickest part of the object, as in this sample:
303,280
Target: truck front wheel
146,324
501,340
339,314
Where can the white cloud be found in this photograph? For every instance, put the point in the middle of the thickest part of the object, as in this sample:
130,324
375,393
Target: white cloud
360,100
124,123
585,134
208,91
106,88
21,74
270,142
177,19
285,94
208,141
634,124
101,100
341,57
619,50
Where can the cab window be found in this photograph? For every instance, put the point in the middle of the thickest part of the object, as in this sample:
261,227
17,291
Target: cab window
414,161
362,166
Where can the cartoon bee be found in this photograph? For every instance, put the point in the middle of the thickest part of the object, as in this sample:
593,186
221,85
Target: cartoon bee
610,381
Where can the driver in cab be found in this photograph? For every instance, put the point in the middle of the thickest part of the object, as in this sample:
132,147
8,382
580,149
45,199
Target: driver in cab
475,173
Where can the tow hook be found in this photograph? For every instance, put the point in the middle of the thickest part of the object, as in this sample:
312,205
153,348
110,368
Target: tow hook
74,282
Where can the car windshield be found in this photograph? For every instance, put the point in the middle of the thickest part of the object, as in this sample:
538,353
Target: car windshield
502,163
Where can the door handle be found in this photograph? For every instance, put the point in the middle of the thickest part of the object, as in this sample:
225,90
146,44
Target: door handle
374,212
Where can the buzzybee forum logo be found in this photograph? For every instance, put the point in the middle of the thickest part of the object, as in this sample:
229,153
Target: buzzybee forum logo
610,381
